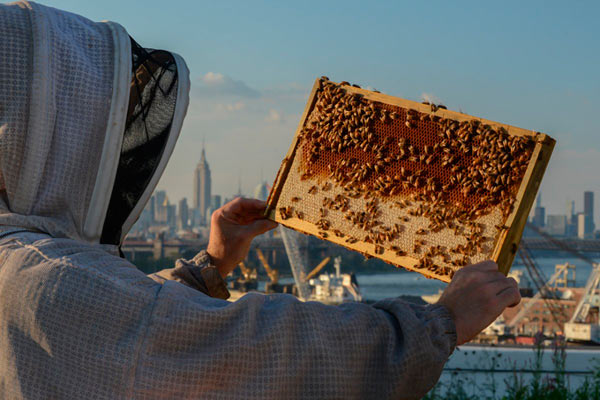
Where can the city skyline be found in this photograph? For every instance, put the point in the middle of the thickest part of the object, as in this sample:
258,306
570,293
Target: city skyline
568,222
525,64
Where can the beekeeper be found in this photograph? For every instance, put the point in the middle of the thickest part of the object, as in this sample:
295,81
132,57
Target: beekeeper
88,121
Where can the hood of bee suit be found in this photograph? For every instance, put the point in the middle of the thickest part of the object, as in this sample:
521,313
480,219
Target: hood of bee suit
88,121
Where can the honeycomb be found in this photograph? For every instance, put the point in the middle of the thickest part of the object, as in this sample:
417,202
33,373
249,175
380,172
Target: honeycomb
413,186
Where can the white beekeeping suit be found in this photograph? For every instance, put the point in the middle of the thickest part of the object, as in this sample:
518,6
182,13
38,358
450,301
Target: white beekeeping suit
88,120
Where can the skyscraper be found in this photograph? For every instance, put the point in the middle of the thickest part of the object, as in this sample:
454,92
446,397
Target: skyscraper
539,214
215,201
583,226
202,186
183,217
588,203
571,219
557,225
161,202
588,211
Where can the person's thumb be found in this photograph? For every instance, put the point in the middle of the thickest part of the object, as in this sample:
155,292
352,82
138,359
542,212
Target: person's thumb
261,226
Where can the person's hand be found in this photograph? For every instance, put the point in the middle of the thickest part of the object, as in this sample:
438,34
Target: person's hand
476,296
232,228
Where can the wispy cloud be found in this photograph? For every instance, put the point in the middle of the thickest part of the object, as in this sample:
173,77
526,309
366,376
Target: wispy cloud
215,84
230,107
274,116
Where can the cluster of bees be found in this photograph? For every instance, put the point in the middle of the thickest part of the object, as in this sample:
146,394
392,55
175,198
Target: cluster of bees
449,172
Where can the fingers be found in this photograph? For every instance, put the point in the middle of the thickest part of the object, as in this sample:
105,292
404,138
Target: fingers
495,287
504,293
246,206
478,274
510,297
243,211
261,226
484,266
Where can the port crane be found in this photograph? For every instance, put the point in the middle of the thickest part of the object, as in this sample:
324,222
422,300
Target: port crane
248,274
246,281
543,290
579,327
271,272
317,269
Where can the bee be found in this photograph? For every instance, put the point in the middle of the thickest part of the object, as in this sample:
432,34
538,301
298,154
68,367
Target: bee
285,212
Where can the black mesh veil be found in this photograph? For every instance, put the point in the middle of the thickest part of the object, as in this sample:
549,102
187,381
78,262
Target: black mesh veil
152,101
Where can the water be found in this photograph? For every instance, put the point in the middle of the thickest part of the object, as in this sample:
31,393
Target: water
399,282
381,286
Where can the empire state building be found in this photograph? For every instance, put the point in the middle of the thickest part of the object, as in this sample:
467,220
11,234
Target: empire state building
202,186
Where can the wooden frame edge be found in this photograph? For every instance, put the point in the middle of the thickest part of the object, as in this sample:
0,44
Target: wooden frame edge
444,113
505,253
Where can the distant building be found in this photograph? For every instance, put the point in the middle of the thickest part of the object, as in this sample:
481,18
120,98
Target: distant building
171,215
588,203
208,216
183,216
142,223
215,201
202,186
261,191
557,225
195,218
584,226
539,214
588,210
571,219
160,207
151,207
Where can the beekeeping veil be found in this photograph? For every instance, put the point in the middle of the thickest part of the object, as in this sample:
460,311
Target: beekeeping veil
88,121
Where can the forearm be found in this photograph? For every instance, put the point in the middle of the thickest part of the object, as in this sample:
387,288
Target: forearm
275,346
423,339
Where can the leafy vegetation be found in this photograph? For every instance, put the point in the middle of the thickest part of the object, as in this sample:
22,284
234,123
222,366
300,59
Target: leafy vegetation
538,387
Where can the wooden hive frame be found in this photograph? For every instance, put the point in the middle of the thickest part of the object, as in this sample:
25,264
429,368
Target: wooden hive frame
508,237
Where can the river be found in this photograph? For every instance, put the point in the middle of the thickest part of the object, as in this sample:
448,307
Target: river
399,282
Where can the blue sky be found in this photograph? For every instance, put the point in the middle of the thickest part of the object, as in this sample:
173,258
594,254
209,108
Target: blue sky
530,64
